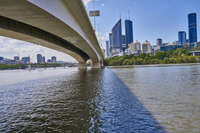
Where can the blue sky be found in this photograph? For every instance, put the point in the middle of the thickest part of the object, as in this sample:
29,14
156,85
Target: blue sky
152,19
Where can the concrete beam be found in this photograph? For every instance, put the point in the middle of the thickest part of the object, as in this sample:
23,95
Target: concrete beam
66,20
17,30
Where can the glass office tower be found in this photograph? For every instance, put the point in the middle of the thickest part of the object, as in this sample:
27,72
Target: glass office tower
192,25
129,32
182,37
117,36
110,39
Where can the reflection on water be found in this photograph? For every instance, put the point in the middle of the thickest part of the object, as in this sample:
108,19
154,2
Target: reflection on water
82,101
171,94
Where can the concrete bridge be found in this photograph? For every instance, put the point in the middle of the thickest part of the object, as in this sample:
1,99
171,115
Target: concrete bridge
62,25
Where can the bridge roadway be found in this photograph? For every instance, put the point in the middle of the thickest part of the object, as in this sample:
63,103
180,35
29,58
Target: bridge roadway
62,25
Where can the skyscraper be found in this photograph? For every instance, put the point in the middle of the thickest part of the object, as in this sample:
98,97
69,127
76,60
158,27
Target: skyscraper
16,58
117,36
1,58
192,25
123,39
159,42
39,58
107,48
43,59
26,60
53,59
129,32
110,39
182,37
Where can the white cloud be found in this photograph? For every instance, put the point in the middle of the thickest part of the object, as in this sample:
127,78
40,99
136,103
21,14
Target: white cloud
86,1
102,38
11,47
102,4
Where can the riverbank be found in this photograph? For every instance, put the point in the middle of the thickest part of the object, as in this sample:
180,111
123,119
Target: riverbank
12,67
25,66
154,65
178,56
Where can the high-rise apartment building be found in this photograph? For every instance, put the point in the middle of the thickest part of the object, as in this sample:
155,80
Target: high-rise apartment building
192,25
117,36
129,32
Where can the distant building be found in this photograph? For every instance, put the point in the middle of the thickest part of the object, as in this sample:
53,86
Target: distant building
198,44
49,61
1,58
192,25
195,53
117,36
123,39
53,59
165,44
175,43
107,48
43,59
110,39
123,46
16,58
170,47
159,42
146,48
39,58
182,37
26,60
134,48
116,52
129,32
156,48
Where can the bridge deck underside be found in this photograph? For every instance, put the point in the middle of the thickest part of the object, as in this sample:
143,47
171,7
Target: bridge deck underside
22,20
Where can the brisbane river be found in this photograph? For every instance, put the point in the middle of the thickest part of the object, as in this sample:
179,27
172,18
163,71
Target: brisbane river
151,99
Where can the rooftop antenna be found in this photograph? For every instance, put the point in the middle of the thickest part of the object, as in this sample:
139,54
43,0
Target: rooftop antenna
129,14
94,13
94,16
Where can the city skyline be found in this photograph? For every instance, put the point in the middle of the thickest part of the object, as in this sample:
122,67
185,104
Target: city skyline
39,59
147,25
149,22
11,47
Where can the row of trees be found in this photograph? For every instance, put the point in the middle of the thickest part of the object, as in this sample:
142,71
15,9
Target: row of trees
24,66
170,57
17,66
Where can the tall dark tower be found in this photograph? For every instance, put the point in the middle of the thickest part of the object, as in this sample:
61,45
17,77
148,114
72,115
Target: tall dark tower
129,32
117,36
192,25
182,37
159,42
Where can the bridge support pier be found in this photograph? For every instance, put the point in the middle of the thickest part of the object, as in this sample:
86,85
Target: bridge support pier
98,65
82,66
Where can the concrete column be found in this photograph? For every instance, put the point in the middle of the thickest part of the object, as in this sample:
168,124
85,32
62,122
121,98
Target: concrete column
98,65
82,66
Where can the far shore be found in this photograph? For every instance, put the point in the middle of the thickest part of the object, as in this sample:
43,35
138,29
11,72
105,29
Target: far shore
26,66
153,65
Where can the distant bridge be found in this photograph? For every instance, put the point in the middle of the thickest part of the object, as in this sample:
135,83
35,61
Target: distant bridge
62,25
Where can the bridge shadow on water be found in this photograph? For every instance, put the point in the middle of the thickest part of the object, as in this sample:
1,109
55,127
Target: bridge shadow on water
87,101
112,107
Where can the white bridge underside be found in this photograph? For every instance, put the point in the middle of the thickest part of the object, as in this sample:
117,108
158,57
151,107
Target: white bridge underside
66,19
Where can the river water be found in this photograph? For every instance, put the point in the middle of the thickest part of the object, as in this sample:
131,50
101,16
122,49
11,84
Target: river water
126,100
